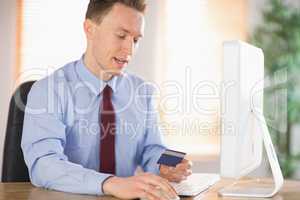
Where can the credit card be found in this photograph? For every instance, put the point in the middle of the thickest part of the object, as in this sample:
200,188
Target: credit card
171,158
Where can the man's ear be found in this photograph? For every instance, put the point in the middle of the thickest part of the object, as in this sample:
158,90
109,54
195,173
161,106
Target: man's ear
89,29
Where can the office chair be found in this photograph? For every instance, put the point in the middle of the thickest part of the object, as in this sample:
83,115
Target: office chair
14,168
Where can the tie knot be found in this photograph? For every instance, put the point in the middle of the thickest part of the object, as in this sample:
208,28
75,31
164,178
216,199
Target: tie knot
107,92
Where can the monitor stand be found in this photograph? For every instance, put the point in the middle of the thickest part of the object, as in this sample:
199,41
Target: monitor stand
258,191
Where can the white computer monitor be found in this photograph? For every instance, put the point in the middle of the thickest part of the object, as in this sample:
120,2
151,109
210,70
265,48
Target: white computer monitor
244,129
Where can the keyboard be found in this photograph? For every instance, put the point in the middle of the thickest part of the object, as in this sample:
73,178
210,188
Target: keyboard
195,184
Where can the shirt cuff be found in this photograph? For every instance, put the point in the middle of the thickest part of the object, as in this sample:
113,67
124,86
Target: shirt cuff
103,183
155,169
95,181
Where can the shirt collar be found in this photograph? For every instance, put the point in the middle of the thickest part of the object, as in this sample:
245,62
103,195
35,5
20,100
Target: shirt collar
95,84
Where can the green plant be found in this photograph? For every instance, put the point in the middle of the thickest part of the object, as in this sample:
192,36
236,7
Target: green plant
279,37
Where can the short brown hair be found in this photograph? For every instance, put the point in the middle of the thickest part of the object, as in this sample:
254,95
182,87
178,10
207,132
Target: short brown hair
97,9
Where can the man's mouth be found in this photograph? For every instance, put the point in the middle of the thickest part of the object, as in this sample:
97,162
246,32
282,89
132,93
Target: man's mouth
120,61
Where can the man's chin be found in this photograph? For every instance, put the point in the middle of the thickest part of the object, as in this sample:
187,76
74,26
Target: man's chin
117,72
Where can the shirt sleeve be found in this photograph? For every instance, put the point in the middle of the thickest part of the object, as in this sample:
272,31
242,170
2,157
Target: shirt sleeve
153,141
43,143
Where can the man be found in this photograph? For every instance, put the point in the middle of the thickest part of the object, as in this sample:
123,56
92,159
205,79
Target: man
89,125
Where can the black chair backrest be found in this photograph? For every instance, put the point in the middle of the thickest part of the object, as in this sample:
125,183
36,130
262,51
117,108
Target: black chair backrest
14,168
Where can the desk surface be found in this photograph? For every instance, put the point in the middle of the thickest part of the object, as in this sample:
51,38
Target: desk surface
22,191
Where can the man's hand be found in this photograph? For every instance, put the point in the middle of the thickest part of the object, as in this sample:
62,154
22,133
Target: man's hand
145,185
178,173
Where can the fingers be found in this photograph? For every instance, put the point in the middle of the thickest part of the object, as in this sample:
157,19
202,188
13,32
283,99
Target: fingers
180,170
185,164
161,183
179,175
152,192
186,172
165,186
184,168
148,196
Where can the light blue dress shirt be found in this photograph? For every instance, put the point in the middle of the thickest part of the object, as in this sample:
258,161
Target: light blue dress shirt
61,134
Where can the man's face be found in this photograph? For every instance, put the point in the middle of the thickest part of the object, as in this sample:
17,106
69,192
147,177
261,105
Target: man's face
114,40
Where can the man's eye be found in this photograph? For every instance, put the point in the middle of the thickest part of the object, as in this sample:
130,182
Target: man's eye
136,41
122,36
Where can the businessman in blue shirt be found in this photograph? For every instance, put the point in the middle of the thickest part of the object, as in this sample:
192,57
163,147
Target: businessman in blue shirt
89,125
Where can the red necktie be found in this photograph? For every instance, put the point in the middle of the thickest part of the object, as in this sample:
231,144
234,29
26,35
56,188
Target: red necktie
107,129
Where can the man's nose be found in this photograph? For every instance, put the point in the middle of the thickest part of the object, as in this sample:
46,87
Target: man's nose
129,47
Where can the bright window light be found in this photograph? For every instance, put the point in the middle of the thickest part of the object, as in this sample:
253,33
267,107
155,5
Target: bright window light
50,28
